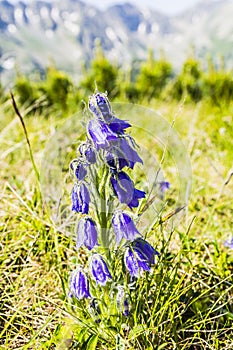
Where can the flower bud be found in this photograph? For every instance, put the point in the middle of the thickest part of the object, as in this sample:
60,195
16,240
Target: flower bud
79,169
124,189
87,151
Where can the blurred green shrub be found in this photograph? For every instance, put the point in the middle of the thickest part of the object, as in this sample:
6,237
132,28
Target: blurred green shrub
188,84
56,87
152,79
218,84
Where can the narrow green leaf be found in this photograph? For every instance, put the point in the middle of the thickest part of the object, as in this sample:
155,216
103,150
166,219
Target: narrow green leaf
92,343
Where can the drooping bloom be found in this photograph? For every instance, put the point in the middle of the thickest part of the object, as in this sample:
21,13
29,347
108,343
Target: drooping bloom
135,262
124,227
86,233
79,169
146,249
79,285
164,186
125,153
124,189
137,194
118,125
100,270
80,199
101,134
87,151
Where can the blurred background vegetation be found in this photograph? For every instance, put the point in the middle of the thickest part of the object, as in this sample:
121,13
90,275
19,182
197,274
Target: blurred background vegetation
150,80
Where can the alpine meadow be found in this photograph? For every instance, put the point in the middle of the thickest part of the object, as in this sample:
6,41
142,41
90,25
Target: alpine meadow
116,206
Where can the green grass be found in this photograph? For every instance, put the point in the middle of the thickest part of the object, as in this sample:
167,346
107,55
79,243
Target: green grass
189,304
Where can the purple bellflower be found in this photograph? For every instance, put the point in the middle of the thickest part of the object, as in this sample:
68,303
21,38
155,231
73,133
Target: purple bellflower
124,227
135,262
86,233
125,152
164,186
100,270
118,125
101,134
137,194
80,199
79,285
146,249
124,189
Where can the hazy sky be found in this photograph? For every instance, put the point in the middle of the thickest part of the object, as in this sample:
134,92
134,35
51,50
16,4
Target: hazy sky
166,6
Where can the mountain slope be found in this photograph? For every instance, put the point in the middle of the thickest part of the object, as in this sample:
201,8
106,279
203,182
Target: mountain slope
31,34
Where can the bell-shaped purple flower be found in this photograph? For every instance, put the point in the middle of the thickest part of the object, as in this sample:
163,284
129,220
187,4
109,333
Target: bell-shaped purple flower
118,125
146,249
164,186
124,227
79,169
80,199
101,134
135,262
79,285
87,151
137,194
124,189
86,233
125,153
100,270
